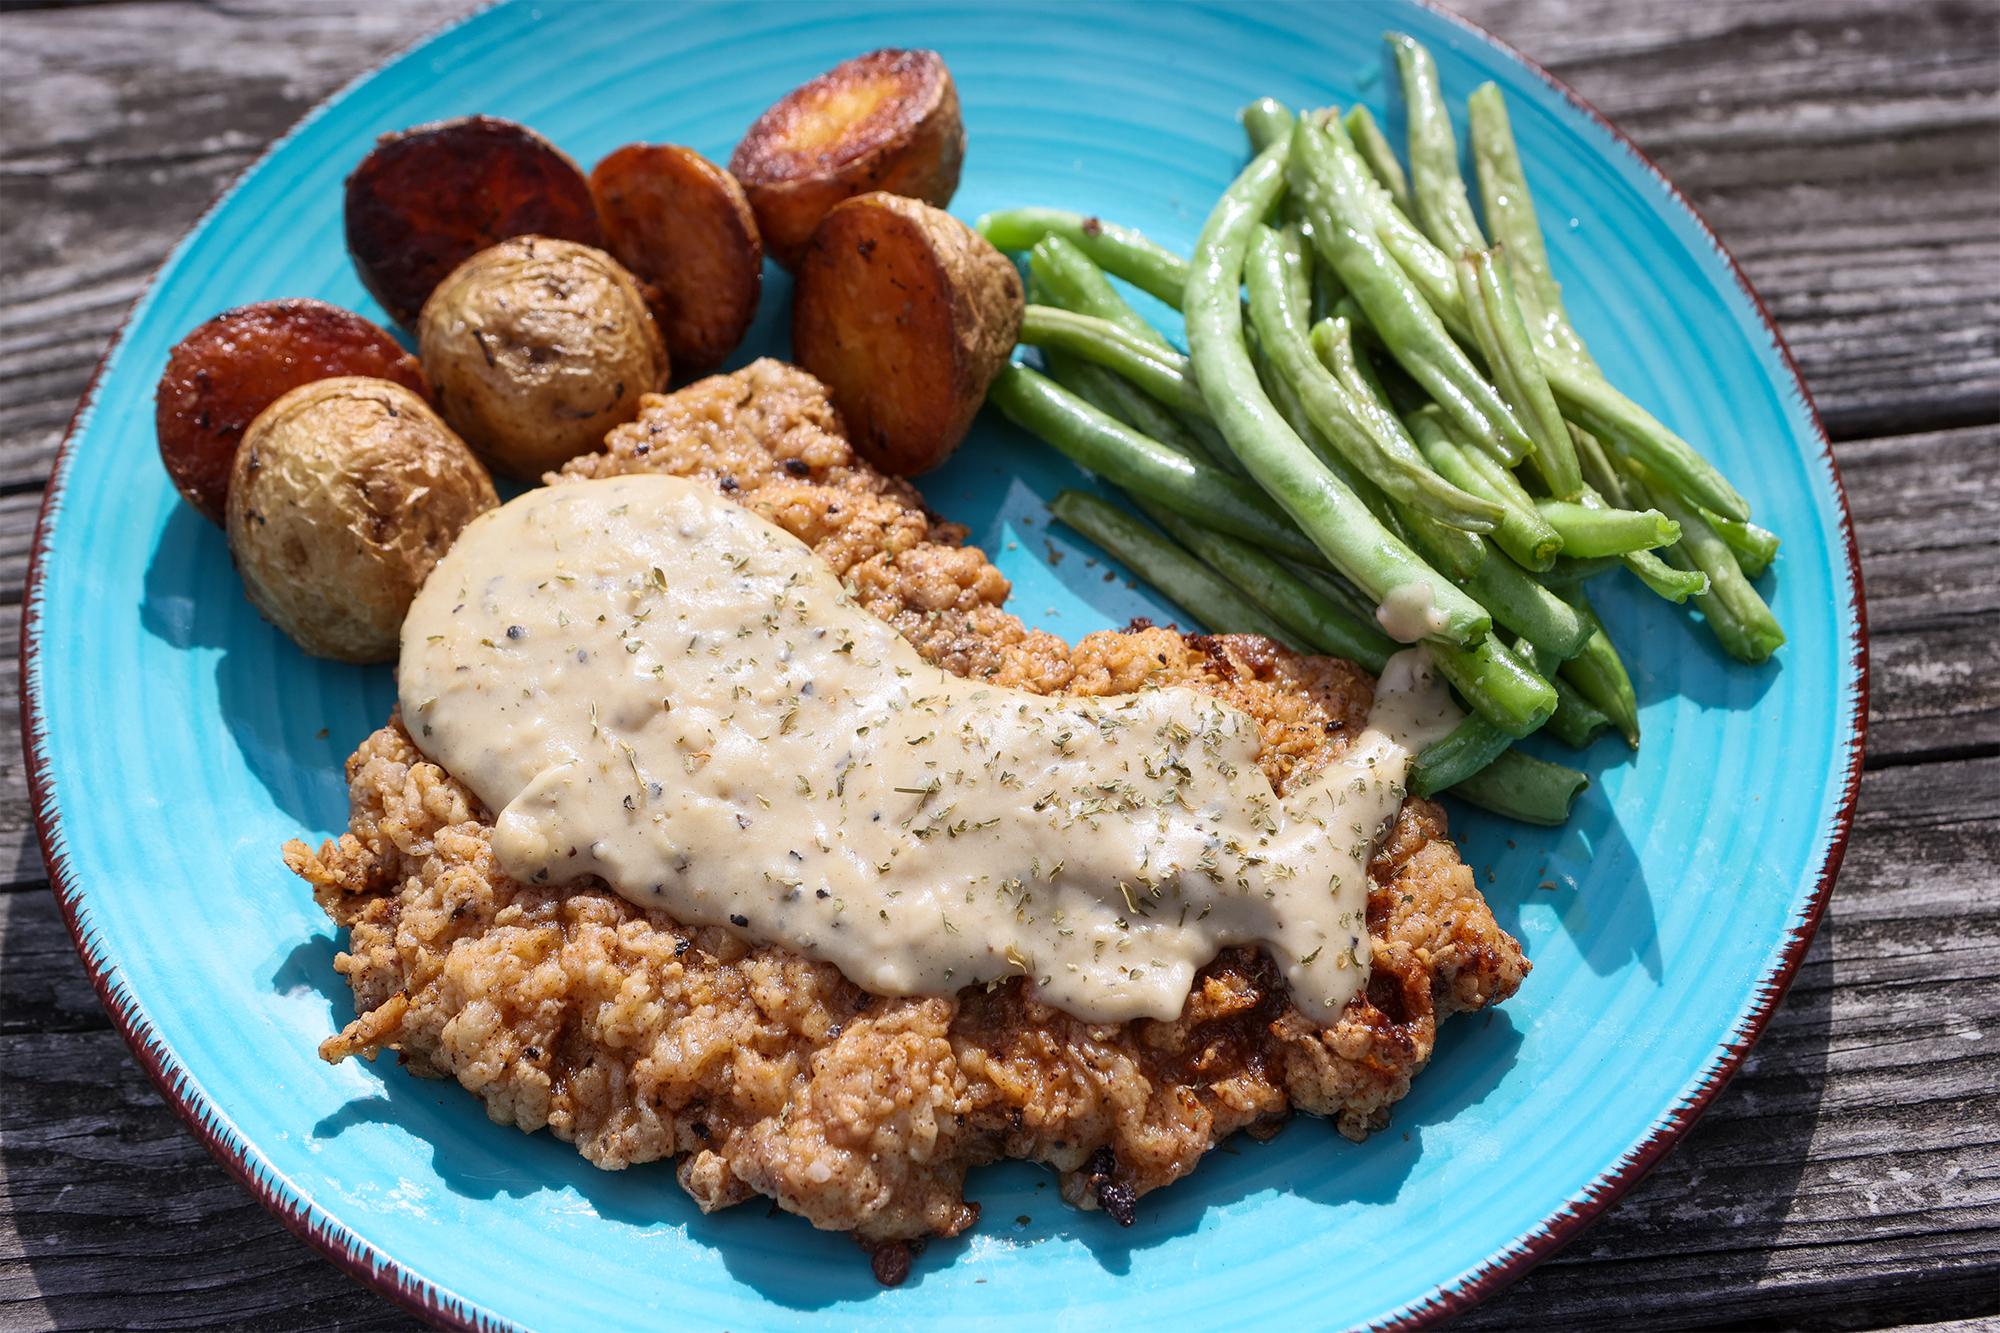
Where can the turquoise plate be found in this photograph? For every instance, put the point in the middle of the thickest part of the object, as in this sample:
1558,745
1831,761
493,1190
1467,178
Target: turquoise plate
176,740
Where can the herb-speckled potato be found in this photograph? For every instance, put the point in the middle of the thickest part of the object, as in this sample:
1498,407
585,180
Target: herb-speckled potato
888,120
345,493
906,314
682,226
535,348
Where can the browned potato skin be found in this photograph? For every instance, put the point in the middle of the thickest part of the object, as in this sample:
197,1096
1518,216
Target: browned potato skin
426,200
232,367
346,492
535,348
685,229
906,314
888,121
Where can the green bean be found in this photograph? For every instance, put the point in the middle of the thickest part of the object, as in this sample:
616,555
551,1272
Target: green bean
1116,397
1502,689
1344,594
1522,532
1589,400
1160,371
1101,444
1487,676
1576,721
1179,576
1502,338
1442,206
1467,749
1401,316
1448,549
1353,195
1589,530
1350,537
1286,399
1527,608
1522,787
1409,330
1456,553
1736,614
1487,732
1266,120
1567,573
1310,614
1060,274
1510,213
1373,145
1296,261
1368,436
1676,585
1755,547
1327,291
1119,251
1598,470
1076,284
1599,674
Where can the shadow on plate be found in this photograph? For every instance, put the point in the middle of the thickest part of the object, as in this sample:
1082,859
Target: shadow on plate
293,719
1587,874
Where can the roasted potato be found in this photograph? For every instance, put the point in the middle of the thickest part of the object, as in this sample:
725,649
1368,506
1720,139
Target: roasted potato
535,348
683,227
345,493
888,120
907,314
223,374
426,200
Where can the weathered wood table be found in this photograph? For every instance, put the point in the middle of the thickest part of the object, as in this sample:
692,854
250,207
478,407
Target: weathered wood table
1847,151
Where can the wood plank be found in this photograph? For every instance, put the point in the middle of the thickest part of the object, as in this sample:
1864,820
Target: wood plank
1927,518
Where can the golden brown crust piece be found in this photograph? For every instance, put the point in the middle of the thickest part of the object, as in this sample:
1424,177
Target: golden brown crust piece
767,1074
684,228
888,120
905,314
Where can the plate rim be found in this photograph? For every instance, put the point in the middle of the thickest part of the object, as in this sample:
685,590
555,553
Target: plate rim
387,1276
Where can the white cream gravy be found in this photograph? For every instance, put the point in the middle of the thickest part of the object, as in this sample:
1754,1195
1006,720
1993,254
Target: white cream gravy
653,685
1410,613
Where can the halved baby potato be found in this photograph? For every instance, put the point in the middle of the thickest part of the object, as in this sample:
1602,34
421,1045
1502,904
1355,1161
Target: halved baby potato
536,347
426,200
906,314
346,491
888,121
229,369
683,227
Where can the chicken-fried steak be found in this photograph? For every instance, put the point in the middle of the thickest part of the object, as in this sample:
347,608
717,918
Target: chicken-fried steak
766,1073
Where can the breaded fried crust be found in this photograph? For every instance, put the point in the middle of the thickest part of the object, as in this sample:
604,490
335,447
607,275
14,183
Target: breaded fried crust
765,1073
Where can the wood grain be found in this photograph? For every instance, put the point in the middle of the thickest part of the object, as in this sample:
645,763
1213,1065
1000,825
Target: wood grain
1849,155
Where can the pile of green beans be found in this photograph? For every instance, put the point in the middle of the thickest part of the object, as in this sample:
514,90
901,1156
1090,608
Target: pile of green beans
1383,402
